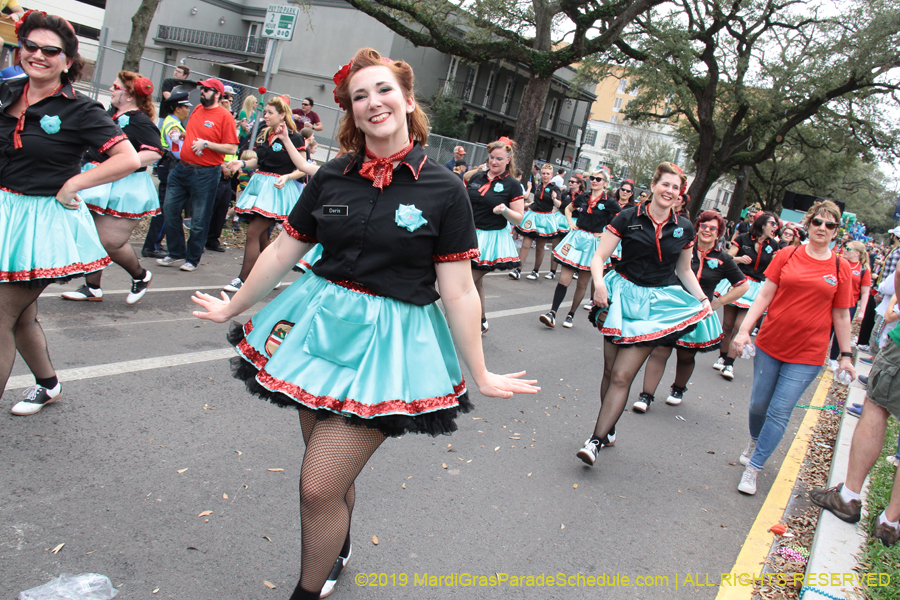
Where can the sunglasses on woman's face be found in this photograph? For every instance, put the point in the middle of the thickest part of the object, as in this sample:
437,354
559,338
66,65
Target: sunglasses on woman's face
118,88
829,225
708,227
625,191
592,178
48,51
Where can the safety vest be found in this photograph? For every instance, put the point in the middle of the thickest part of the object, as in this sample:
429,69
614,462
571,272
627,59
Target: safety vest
168,123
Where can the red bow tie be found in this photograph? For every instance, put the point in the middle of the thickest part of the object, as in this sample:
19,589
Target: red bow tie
381,170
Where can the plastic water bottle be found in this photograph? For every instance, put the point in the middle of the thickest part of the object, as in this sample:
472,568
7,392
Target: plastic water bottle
749,351
843,377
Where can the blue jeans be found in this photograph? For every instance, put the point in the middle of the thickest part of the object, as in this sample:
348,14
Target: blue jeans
777,386
197,186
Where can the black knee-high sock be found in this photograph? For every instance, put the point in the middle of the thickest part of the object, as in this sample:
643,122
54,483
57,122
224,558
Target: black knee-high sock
558,296
345,551
301,594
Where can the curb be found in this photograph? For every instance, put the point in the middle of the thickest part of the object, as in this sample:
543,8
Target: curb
836,542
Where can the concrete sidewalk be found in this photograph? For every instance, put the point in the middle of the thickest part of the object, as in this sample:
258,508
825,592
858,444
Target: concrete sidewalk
837,542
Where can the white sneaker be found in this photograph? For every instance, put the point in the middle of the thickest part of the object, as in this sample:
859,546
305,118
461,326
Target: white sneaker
84,293
728,372
642,404
36,398
747,454
588,306
588,454
138,288
168,261
234,286
188,267
532,276
748,481
675,396
719,364
575,275
550,275
339,565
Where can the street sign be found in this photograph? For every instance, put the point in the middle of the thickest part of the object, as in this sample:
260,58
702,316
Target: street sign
280,22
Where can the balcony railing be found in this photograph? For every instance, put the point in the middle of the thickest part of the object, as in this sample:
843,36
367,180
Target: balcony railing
475,96
211,40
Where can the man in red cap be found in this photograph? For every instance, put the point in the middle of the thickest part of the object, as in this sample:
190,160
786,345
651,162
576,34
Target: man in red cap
458,153
210,134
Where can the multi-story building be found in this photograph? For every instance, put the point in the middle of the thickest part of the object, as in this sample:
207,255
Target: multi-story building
223,38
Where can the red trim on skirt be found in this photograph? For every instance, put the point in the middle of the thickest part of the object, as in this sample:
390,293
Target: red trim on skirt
123,215
647,337
73,269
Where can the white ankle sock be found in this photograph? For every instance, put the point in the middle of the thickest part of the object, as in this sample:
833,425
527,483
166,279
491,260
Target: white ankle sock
847,495
883,519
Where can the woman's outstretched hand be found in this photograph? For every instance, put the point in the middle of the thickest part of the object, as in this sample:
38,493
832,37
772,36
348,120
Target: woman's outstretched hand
504,386
217,310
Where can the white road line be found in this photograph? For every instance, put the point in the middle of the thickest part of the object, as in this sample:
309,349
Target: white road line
161,362
128,366
149,290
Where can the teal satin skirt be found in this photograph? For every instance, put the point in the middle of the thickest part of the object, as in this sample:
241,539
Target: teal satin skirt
648,316
707,336
497,249
536,224
132,197
577,249
744,301
341,350
42,242
261,197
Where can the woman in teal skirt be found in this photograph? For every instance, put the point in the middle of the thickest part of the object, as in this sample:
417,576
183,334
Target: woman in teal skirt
46,232
640,305
117,207
271,194
497,201
359,344
711,264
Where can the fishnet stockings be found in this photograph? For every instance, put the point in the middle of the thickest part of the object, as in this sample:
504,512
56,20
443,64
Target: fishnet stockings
620,365
19,329
335,454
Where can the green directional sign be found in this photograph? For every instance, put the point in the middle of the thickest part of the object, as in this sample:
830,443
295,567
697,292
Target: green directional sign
280,21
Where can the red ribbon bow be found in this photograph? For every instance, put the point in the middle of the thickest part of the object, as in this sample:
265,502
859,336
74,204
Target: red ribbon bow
380,170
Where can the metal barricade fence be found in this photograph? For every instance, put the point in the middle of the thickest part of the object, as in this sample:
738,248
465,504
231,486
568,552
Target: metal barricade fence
109,61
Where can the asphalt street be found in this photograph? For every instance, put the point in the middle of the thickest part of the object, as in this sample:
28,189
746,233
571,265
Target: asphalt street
158,469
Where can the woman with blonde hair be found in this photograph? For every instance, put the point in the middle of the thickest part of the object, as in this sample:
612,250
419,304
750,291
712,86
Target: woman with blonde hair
807,289
358,344
860,271
497,202
246,118
266,198
577,248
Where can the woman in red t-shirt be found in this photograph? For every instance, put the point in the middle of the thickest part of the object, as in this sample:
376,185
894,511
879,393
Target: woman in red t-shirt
807,289
860,271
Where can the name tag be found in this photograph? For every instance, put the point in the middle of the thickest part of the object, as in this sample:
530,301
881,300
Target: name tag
635,227
335,210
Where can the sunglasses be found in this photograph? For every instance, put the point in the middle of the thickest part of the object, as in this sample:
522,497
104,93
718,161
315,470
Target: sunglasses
304,104
48,51
205,89
829,225
625,191
709,227
592,178
118,88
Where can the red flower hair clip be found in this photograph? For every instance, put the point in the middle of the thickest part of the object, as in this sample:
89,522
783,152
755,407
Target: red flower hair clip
338,79
143,86
506,140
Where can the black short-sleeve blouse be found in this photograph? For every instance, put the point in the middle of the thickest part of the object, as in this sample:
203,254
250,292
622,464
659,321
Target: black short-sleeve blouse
713,267
595,218
58,131
543,197
746,245
486,193
357,225
649,259
142,132
271,157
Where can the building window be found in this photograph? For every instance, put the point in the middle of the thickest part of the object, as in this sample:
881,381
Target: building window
612,142
469,87
552,114
614,119
583,162
617,105
635,91
590,137
507,94
623,85
488,94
